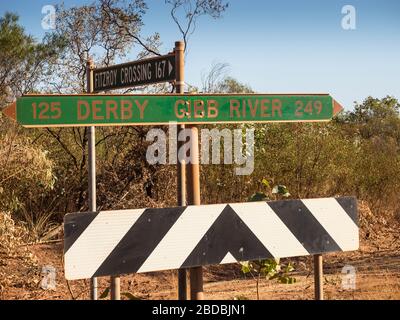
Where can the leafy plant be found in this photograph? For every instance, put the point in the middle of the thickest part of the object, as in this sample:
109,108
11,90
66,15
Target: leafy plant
105,293
127,295
270,269
270,193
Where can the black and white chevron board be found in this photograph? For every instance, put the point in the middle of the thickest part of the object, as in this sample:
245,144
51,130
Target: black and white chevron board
142,240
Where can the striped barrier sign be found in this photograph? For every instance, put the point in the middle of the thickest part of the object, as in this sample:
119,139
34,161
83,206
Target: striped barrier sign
143,240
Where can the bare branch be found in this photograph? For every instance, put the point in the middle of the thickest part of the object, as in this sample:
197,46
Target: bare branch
63,145
191,10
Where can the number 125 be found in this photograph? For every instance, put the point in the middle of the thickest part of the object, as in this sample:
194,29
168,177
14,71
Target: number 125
44,110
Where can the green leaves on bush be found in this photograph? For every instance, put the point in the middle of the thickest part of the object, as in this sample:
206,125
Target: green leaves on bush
269,269
282,190
105,293
258,196
277,190
127,295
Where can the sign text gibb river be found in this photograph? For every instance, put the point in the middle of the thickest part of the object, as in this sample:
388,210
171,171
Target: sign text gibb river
106,110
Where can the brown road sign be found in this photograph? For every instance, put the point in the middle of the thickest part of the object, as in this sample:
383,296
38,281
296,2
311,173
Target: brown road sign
135,73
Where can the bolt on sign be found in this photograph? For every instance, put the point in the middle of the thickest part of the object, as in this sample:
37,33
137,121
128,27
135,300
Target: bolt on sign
136,73
107,110
145,240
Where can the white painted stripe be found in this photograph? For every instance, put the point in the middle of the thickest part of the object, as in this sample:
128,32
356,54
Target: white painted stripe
182,238
228,259
269,229
335,221
94,245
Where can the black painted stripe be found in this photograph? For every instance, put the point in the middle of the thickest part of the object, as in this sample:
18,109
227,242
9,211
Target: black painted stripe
304,226
140,241
227,234
349,204
74,225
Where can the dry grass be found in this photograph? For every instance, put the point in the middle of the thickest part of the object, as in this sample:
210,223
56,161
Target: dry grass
15,256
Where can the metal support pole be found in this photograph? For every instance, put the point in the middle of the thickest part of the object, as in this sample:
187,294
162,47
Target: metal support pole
92,165
115,288
181,167
318,277
193,194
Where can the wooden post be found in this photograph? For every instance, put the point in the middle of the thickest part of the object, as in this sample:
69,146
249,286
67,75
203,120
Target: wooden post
193,194
181,166
318,277
92,164
191,191
115,288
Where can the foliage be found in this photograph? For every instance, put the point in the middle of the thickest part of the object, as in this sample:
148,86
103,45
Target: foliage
270,193
26,176
231,85
23,61
355,154
270,269
104,30
43,173
127,295
375,110
217,80
105,293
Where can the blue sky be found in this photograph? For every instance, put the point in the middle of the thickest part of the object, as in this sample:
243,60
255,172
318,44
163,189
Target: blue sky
280,46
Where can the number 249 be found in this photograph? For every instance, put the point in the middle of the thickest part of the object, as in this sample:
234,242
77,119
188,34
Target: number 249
310,108
44,110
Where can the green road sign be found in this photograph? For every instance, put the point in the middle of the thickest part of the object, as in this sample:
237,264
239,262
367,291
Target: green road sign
109,110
